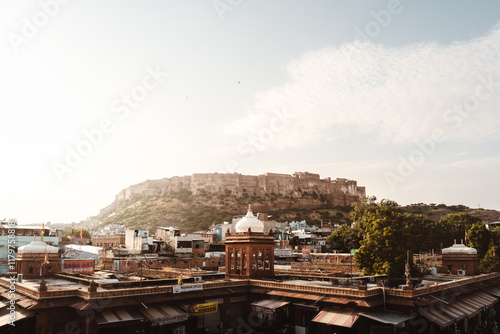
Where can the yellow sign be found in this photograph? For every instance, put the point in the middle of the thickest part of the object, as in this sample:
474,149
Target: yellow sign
202,309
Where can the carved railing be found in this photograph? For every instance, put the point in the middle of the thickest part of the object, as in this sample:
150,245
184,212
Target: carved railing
316,288
83,292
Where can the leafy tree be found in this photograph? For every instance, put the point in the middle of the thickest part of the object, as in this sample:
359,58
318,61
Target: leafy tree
345,238
422,233
454,226
386,233
479,237
491,261
386,238
76,234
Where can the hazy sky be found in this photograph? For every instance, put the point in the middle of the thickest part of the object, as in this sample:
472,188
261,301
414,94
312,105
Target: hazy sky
402,96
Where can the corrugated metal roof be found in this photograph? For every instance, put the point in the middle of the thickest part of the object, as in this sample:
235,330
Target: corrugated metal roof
469,305
307,305
386,317
20,314
493,290
164,314
270,303
337,317
117,316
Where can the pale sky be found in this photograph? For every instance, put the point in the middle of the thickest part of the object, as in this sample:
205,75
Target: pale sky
402,96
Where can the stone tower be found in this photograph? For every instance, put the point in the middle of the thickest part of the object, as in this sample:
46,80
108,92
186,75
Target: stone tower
249,253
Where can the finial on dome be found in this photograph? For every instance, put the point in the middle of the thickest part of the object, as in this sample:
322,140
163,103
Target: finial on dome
249,207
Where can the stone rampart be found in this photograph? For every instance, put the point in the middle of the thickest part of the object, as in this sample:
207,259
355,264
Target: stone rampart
300,185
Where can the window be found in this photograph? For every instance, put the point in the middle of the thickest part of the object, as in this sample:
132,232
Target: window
238,262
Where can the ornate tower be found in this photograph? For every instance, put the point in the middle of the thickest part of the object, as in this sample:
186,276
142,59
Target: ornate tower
249,253
37,259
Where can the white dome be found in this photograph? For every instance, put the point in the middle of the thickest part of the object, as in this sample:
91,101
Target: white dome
459,249
249,221
37,247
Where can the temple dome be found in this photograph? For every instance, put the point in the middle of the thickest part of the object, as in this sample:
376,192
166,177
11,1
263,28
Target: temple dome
459,249
37,247
249,221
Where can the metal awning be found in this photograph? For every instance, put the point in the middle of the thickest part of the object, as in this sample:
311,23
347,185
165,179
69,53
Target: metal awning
336,316
272,304
20,314
164,314
310,306
114,317
492,290
438,317
12,296
386,317
479,300
468,305
25,302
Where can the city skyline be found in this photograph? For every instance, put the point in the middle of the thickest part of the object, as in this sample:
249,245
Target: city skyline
401,96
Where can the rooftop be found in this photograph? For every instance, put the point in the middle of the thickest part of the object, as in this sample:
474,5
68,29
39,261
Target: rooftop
65,285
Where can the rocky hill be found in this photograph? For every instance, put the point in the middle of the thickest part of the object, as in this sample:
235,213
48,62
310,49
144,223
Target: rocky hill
195,202
436,211
199,200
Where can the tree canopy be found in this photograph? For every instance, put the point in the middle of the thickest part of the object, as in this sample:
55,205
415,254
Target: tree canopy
387,234
491,261
76,233
384,233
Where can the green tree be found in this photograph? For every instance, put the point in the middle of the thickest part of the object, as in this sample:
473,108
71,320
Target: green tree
345,238
385,238
454,225
422,233
491,261
76,234
479,237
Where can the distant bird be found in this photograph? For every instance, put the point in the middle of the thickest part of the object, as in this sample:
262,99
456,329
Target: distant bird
238,82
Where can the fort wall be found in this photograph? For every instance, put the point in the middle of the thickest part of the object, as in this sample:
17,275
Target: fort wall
300,185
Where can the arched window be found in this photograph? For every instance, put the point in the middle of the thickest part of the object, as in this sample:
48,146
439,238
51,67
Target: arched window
260,262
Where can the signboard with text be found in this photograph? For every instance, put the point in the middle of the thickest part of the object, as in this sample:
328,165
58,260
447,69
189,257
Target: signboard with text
202,309
80,266
282,252
171,319
187,288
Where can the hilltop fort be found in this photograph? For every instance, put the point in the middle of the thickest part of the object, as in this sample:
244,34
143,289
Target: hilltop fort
325,190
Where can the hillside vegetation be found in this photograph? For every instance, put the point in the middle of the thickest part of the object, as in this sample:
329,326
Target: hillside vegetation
190,212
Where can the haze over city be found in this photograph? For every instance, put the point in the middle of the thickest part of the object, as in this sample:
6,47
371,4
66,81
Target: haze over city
401,96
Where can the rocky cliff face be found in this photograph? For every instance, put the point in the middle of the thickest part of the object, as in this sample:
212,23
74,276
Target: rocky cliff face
299,185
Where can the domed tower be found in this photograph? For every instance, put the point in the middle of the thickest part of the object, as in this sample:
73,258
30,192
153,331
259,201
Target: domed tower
460,259
37,259
249,253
